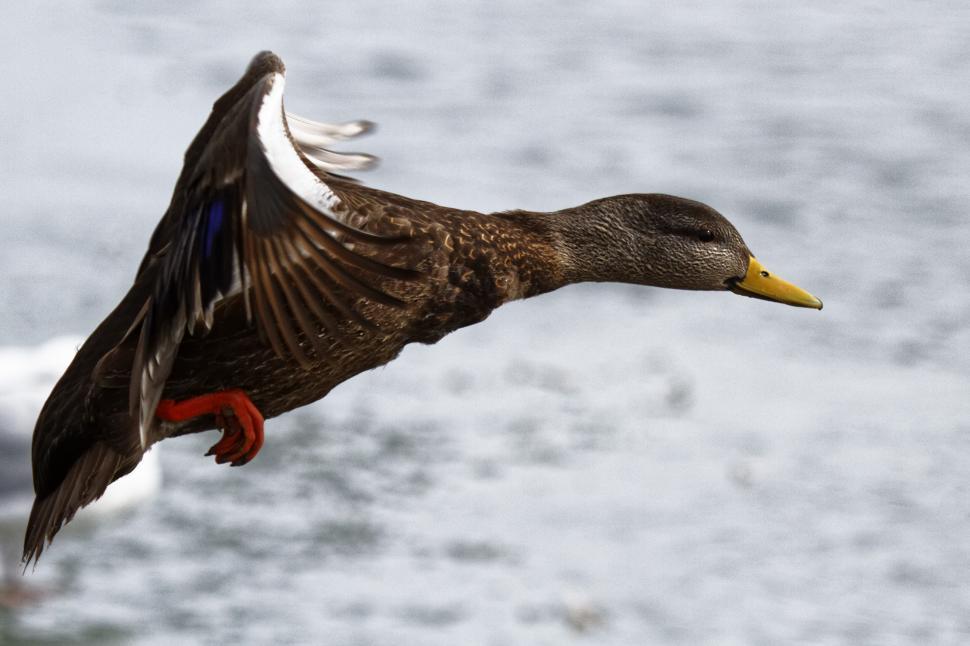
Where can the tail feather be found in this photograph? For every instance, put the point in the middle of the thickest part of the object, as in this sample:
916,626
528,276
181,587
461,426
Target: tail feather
84,483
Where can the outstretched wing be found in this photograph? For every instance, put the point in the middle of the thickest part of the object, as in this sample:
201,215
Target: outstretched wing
256,216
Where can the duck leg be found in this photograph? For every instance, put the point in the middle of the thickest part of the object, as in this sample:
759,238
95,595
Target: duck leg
240,421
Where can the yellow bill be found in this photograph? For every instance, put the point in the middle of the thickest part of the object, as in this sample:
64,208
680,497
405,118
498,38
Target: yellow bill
758,282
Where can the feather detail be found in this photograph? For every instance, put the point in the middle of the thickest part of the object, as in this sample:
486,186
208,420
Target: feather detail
84,483
317,133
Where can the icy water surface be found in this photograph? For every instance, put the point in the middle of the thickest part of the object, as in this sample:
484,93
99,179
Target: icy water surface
602,465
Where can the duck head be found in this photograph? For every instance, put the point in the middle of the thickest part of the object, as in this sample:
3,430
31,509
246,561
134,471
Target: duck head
668,241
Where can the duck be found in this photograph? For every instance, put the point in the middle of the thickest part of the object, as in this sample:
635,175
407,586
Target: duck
273,276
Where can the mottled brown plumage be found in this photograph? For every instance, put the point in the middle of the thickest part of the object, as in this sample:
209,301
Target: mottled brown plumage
284,294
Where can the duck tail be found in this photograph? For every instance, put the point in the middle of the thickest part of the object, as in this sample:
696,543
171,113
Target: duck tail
84,483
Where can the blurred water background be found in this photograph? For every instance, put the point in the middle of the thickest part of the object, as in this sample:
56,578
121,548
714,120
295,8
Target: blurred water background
601,465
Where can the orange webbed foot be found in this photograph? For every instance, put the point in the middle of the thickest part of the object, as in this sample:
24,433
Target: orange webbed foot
240,421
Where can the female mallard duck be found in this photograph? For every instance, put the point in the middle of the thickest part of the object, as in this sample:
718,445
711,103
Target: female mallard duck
270,280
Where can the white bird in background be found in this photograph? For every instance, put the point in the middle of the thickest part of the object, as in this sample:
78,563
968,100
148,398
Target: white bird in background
27,375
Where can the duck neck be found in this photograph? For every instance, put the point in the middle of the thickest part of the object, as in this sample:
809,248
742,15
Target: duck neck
573,246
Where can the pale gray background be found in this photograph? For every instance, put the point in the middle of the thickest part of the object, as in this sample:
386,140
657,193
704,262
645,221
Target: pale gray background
657,467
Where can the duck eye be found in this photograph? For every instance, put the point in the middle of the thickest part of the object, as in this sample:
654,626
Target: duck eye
705,235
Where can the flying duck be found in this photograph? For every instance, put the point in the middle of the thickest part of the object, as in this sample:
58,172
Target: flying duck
272,278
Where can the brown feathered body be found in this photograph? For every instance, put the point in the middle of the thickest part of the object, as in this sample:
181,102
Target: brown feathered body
471,263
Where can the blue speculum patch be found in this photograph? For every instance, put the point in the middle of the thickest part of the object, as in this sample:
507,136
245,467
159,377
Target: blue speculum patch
213,224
